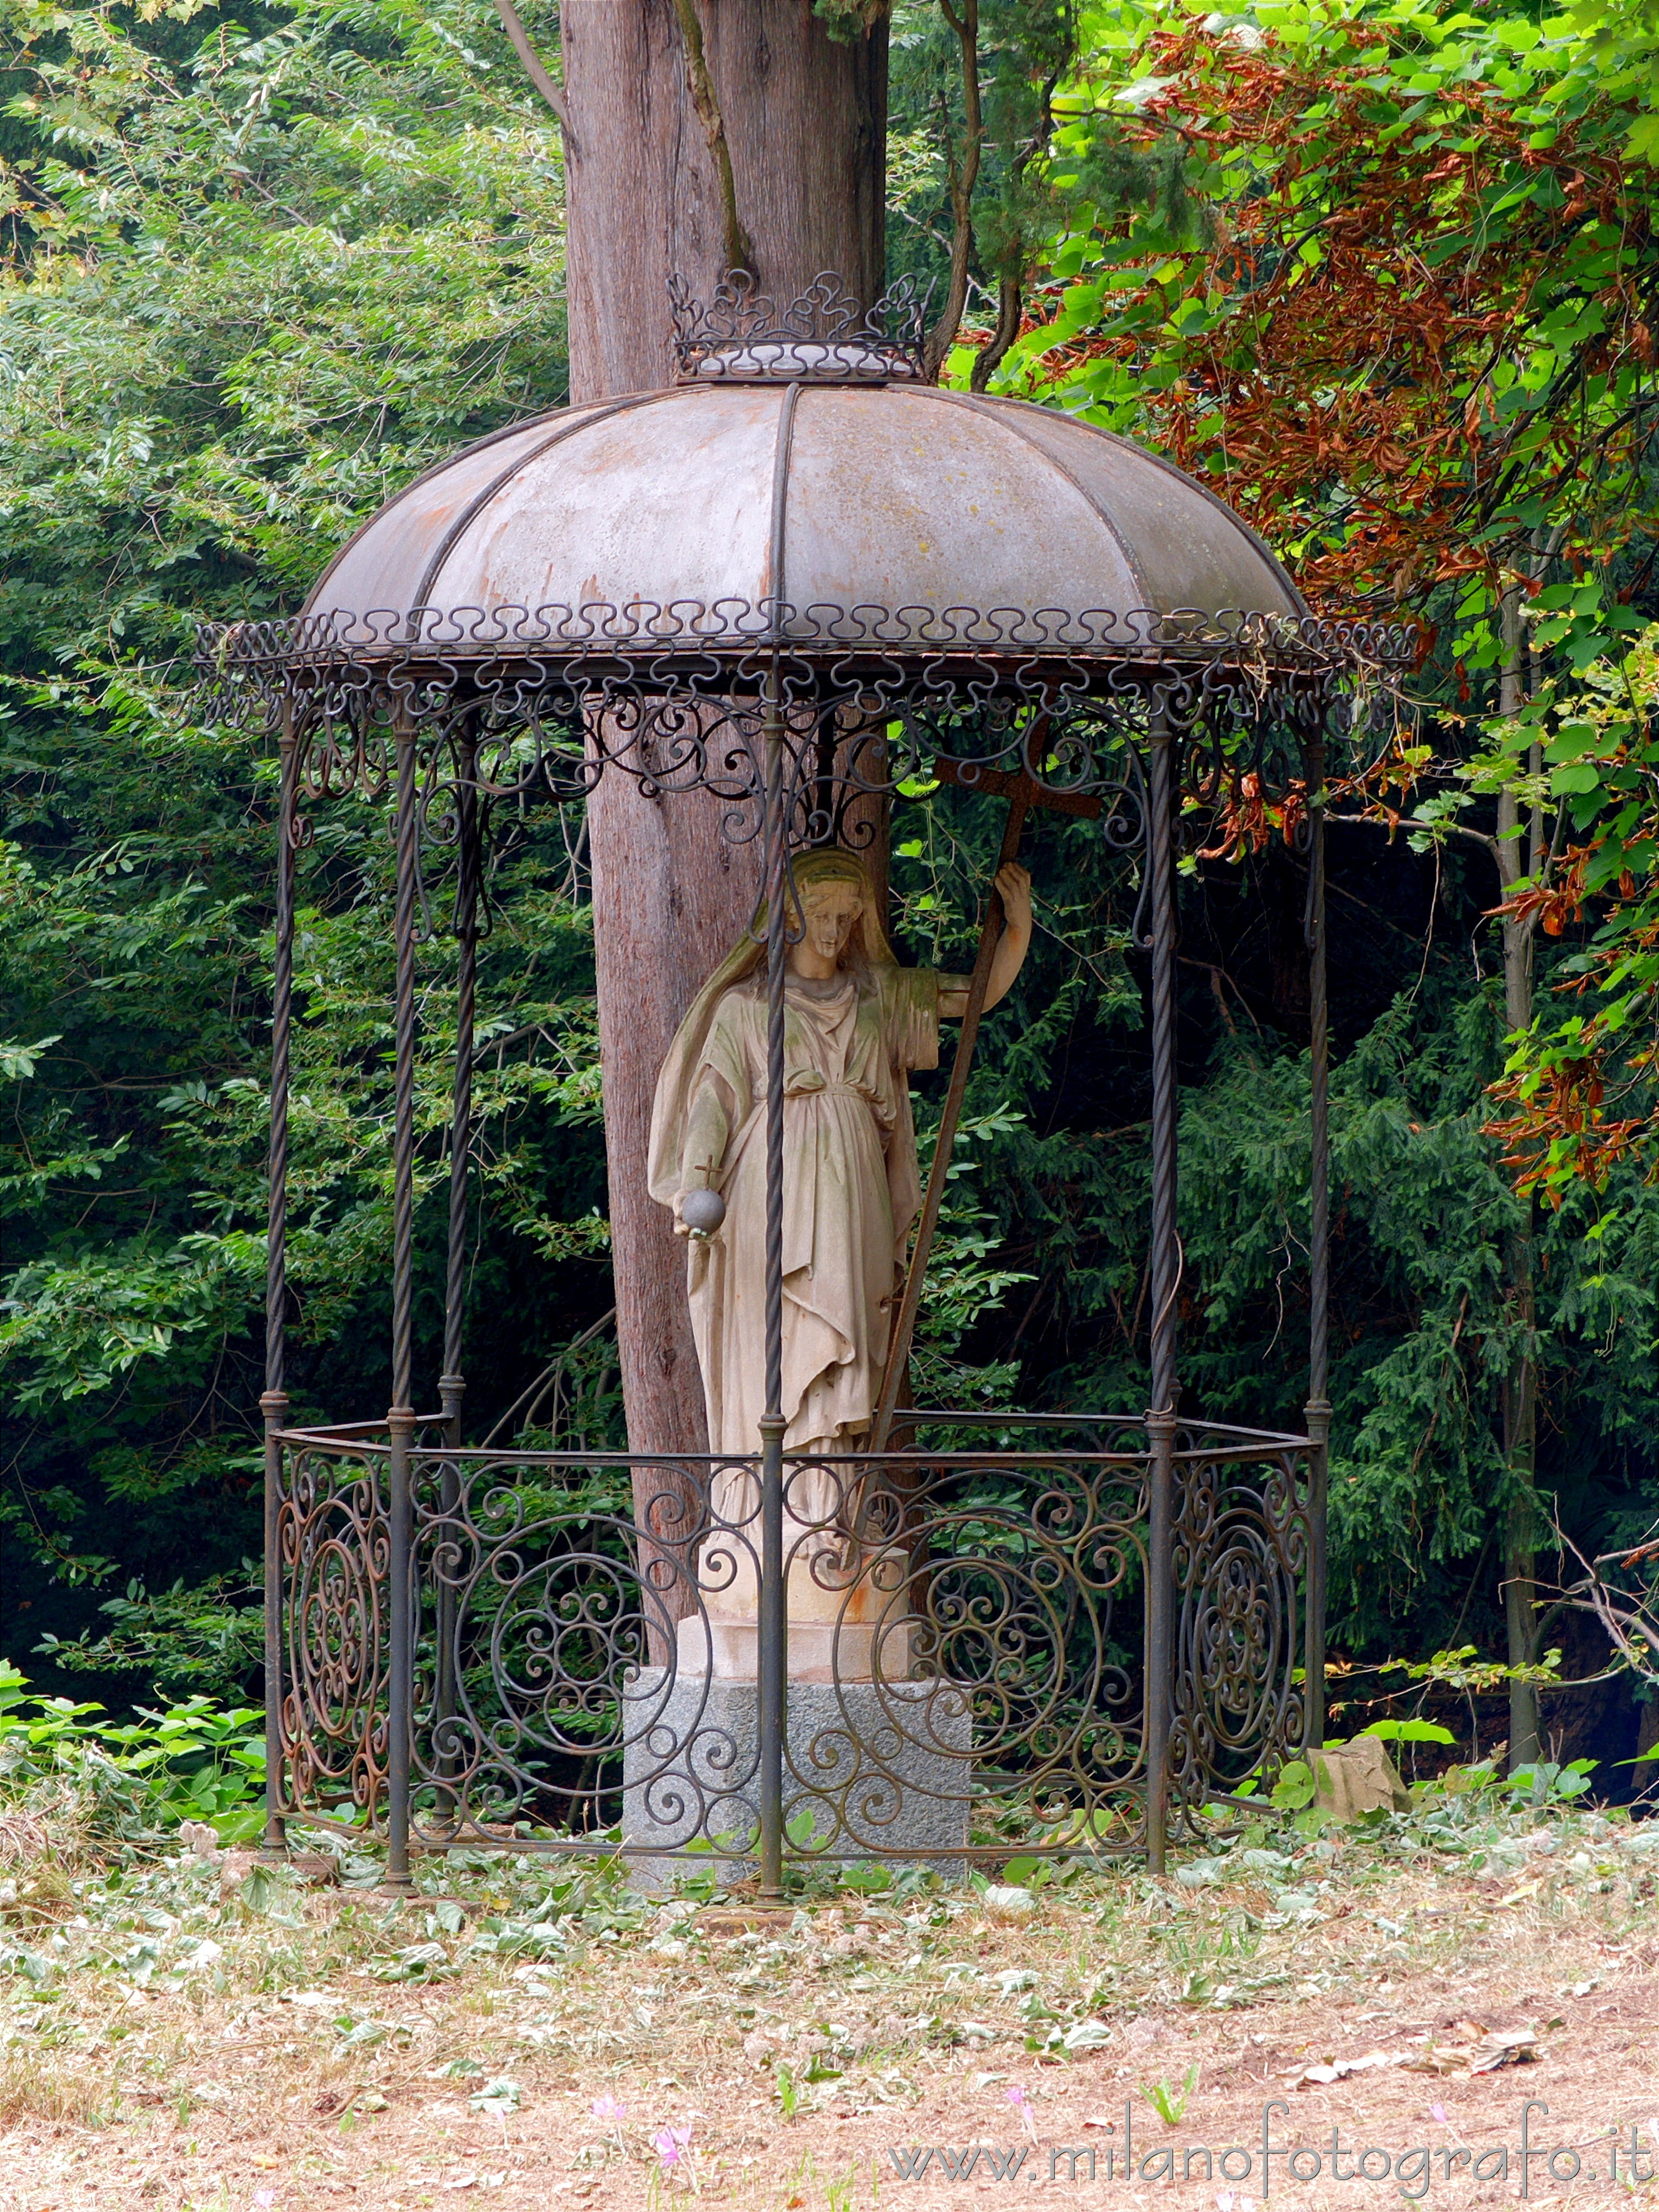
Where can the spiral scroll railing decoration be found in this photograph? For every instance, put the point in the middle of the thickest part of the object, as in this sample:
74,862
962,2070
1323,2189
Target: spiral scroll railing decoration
976,1686
1242,1541
334,1550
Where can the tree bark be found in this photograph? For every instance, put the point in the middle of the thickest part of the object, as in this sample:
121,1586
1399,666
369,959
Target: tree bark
1519,1394
802,118
671,898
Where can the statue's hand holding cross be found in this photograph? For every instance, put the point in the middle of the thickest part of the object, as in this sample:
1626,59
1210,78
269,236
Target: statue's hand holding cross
1012,885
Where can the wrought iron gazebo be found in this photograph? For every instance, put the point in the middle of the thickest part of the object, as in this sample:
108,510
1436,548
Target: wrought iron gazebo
798,579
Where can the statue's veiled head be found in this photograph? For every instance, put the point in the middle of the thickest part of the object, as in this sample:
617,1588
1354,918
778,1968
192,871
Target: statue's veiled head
834,908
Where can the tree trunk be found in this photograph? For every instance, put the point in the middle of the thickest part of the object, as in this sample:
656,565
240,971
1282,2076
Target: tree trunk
804,119
1520,1395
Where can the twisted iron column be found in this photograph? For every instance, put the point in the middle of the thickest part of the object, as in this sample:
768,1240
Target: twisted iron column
452,1384
400,1415
1164,1268
772,1718
1318,1414
273,1405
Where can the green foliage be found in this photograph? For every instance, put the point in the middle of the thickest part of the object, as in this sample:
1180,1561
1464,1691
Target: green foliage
1409,1731
1329,148
1293,1790
1579,1085
194,1761
264,276
1463,1669
267,266
1169,2102
199,1639
1547,1784
967,1281
1024,48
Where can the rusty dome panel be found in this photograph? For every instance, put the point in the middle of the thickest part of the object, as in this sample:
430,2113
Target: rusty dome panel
666,500
898,499
382,566
825,494
1191,547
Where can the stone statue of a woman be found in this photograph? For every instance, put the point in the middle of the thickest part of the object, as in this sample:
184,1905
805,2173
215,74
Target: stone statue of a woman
855,1022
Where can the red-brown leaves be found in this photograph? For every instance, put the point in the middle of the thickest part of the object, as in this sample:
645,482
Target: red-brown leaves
1374,288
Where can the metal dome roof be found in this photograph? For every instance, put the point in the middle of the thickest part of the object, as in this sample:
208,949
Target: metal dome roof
774,486
795,580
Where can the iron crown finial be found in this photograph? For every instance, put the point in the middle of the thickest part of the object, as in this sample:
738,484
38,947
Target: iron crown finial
824,335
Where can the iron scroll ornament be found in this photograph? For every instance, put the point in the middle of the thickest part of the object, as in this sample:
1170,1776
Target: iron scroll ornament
740,332
687,699
998,1687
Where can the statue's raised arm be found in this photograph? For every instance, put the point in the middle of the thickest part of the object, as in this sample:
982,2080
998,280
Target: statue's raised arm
1013,888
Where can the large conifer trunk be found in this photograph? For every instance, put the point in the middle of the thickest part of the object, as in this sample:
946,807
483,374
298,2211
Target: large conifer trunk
804,119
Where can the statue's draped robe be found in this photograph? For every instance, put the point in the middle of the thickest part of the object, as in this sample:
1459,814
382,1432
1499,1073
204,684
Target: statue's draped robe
851,1190
850,1193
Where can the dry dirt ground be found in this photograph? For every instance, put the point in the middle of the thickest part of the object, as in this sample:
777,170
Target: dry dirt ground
174,2037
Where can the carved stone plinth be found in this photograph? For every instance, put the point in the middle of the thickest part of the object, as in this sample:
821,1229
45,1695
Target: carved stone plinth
871,1771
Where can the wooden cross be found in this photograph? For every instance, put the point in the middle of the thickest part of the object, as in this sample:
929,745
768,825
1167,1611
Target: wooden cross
1022,792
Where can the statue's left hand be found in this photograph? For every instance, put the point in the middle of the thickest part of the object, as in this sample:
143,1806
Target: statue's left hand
1013,885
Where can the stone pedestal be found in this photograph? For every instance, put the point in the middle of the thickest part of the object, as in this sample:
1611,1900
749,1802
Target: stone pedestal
875,1771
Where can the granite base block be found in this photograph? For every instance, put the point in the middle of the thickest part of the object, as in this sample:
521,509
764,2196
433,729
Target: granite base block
873,1771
